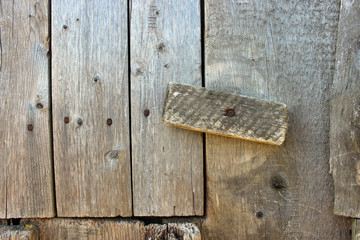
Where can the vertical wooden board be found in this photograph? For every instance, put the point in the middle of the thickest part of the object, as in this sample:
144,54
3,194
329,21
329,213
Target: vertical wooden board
167,162
90,87
345,113
25,157
281,51
86,229
19,232
355,231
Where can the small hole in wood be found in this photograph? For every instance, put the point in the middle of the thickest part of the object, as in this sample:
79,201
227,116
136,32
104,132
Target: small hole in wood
80,122
39,105
65,27
259,215
278,182
109,121
147,112
30,127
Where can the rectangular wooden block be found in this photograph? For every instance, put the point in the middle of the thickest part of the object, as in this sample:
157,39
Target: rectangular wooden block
225,114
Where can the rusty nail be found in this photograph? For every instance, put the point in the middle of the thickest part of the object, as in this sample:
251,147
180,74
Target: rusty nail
39,105
147,112
30,127
109,121
66,119
229,112
80,121
259,215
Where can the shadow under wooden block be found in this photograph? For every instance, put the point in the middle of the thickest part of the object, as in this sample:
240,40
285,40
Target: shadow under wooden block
226,114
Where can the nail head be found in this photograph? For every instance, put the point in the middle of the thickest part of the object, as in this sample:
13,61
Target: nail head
80,121
109,121
39,105
66,119
147,112
229,112
30,127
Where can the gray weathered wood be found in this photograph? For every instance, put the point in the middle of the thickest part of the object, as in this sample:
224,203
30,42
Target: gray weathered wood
184,231
19,232
355,231
86,229
225,114
25,159
90,86
345,113
281,51
167,162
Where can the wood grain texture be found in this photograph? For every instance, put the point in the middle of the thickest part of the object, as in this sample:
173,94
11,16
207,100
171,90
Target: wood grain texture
345,113
280,51
167,162
355,231
19,232
25,157
90,86
86,229
225,114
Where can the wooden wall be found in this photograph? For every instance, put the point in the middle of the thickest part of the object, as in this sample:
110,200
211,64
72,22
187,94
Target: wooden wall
82,91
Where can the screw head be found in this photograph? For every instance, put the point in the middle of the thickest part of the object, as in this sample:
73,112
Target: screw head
109,121
147,112
66,119
229,112
30,127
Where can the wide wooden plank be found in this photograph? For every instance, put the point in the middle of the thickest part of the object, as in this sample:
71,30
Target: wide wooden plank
91,108
280,51
225,114
86,229
345,113
167,162
19,232
25,150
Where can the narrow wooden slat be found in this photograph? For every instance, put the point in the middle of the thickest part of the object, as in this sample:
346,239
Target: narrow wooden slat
345,113
90,92
86,229
167,162
355,231
19,232
225,114
25,157
280,51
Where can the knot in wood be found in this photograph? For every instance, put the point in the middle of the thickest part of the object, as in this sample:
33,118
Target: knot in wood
229,112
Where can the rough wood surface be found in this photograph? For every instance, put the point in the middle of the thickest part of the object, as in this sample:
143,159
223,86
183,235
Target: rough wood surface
225,114
345,113
86,229
355,231
25,157
167,162
90,91
19,232
280,51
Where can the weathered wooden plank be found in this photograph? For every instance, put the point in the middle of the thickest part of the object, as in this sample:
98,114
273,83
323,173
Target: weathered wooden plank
167,162
281,51
345,113
83,229
225,114
25,159
19,232
355,231
91,108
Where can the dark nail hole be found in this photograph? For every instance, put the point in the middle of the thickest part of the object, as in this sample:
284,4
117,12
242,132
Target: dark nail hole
66,119
80,121
259,215
65,27
278,182
166,65
96,78
39,105
161,47
157,13
109,121
229,112
30,127
147,112
77,19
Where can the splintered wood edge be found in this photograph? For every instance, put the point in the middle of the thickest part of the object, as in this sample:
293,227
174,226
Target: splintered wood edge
259,140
